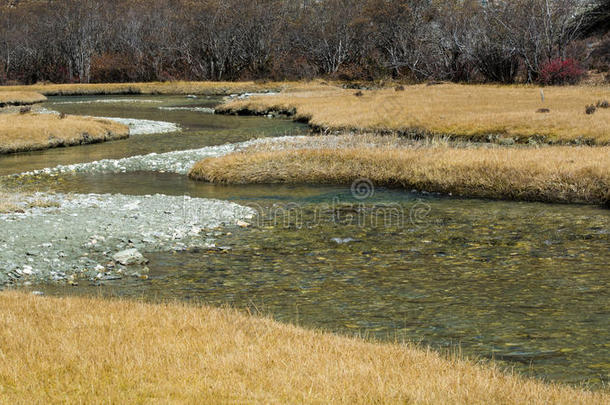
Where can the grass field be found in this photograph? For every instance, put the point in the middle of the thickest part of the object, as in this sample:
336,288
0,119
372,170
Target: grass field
474,112
20,97
206,88
87,350
567,174
26,132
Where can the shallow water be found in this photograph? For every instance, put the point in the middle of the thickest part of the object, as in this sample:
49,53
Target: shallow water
524,283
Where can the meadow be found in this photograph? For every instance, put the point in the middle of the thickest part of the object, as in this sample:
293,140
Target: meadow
566,174
507,114
174,87
92,350
30,131
24,97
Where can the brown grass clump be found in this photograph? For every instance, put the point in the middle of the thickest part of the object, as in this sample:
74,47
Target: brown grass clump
20,97
550,174
26,132
210,88
475,112
7,203
87,350
17,201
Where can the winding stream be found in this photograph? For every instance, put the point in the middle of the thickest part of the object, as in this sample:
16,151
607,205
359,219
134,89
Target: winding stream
524,283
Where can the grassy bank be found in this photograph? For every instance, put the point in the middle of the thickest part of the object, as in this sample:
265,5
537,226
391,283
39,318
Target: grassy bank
20,98
565,174
26,132
204,88
94,350
474,112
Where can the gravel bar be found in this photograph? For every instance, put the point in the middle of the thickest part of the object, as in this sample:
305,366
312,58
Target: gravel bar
171,162
75,236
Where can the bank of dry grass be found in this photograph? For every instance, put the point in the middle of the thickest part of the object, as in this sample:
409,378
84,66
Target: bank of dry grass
26,132
20,98
477,112
93,350
179,87
567,174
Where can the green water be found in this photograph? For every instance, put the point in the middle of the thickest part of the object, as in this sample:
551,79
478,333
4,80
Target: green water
524,283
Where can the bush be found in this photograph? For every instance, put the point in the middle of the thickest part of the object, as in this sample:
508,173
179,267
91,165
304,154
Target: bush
561,71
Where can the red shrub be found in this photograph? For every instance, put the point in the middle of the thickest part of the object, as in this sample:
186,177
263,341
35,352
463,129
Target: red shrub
561,71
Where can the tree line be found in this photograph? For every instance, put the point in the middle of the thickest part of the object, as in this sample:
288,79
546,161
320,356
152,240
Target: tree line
145,40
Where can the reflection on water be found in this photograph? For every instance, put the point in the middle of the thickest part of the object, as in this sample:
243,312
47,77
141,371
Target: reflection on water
523,283
198,130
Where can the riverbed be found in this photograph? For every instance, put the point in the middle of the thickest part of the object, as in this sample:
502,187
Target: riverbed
523,283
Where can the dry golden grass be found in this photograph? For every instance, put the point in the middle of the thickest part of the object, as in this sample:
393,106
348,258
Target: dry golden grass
211,88
20,97
468,111
26,132
81,350
549,174
7,202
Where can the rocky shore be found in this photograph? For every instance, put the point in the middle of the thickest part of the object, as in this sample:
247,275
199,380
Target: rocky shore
79,236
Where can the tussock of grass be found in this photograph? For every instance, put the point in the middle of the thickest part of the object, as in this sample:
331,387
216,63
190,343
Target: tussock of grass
210,88
93,350
20,98
26,132
18,202
565,174
7,203
477,112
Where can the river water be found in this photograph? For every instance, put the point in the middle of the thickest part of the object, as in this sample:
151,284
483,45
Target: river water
523,283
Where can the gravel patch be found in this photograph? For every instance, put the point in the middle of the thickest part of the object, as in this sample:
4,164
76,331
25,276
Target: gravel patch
107,101
171,162
80,235
145,127
136,126
205,110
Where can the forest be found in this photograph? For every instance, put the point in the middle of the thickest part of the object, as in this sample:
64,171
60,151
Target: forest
68,41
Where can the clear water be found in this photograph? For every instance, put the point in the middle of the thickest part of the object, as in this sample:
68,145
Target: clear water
524,283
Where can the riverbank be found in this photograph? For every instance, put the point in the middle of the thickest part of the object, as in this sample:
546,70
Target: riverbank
196,88
565,174
88,349
503,114
32,131
9,98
